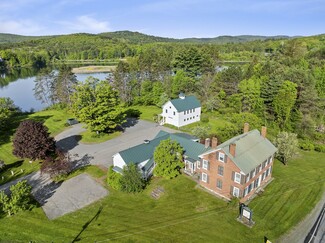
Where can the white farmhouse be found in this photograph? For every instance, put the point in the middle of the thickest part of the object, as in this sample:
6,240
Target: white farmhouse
182,111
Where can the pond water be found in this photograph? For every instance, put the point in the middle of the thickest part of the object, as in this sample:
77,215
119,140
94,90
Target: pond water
20,88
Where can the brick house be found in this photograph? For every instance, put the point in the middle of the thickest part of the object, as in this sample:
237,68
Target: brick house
238,167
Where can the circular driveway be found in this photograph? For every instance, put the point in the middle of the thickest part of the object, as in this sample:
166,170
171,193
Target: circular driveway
101,154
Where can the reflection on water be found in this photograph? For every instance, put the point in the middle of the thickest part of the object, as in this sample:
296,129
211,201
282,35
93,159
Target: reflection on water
19,84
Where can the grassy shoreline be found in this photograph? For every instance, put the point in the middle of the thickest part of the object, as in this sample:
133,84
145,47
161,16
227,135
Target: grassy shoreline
94,69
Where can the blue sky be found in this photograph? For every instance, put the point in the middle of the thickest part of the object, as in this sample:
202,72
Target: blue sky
169,18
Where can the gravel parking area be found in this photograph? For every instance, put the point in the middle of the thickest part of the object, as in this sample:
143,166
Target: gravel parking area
72,195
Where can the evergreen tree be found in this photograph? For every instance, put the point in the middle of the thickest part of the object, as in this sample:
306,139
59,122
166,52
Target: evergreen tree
131,180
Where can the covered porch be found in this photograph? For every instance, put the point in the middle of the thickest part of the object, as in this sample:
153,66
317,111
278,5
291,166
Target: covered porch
190,166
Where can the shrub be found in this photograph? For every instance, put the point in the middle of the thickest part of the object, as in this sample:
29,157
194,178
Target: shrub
306,145
131,180
114,179
320,148
204,118
2,165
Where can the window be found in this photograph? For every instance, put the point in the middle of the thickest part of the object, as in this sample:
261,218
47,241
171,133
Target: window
250,188
198,164
256,182
191,110
219,184
263,176
194,110
221,157
174,113
237,177
193,117
184,112
204,177
263,165
205,164
170,107
267,173
258,169
184,119
245,191
270,160
252,174
187,119
220,170
166,111
235,192
247,178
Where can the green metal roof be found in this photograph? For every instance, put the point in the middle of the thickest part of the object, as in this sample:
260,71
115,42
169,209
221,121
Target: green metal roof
251,150
145,151
189,102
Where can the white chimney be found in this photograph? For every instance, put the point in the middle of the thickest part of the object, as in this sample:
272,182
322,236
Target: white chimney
181,95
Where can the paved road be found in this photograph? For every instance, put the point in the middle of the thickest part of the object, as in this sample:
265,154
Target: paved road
299,233
101,154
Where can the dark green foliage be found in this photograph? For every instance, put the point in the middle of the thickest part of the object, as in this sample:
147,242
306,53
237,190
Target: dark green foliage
320,147
18,200
32,141
7,108
306,145
132,180
168,157
97,104
114,179
56,165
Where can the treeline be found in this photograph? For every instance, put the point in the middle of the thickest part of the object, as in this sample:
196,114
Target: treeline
284,88
42,52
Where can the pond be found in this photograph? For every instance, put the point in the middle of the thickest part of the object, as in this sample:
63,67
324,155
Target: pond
19,86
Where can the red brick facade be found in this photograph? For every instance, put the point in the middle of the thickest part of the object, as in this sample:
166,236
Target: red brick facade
227,180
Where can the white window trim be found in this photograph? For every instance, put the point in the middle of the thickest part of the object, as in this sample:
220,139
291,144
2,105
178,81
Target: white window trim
222,156
221,184
237,191
205,164
198,164
235,179
206,177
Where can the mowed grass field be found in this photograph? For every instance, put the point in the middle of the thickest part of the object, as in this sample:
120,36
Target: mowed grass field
183,213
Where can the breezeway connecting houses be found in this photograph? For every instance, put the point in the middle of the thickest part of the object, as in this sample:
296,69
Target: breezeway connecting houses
239,167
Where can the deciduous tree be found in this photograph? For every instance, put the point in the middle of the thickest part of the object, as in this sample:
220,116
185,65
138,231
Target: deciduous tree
287,144
168,157
97,104
131,180
19,199
33,141
57,165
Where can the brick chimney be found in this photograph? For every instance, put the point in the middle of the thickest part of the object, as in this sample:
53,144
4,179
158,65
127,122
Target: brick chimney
232,149
207,142
246,127
214,142
263,132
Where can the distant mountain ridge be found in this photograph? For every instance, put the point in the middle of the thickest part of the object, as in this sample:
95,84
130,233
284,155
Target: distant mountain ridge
137,38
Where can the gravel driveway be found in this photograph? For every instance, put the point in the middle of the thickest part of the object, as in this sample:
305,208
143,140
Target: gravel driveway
101,154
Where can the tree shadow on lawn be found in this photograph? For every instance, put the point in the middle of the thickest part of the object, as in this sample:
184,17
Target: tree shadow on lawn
68,143
85,226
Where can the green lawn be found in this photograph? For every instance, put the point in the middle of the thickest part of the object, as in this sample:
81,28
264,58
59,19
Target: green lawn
91,137
183,213
55,121
147,112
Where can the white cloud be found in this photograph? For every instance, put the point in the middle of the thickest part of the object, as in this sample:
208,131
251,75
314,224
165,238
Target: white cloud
86,24
21,27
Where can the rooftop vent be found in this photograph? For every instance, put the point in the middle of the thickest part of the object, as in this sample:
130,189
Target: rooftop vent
146,141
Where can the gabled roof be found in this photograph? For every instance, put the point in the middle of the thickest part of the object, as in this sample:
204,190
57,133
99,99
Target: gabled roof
189,102
145,151
251,150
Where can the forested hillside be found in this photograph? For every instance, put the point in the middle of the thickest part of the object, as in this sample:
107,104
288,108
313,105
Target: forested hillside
280,83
